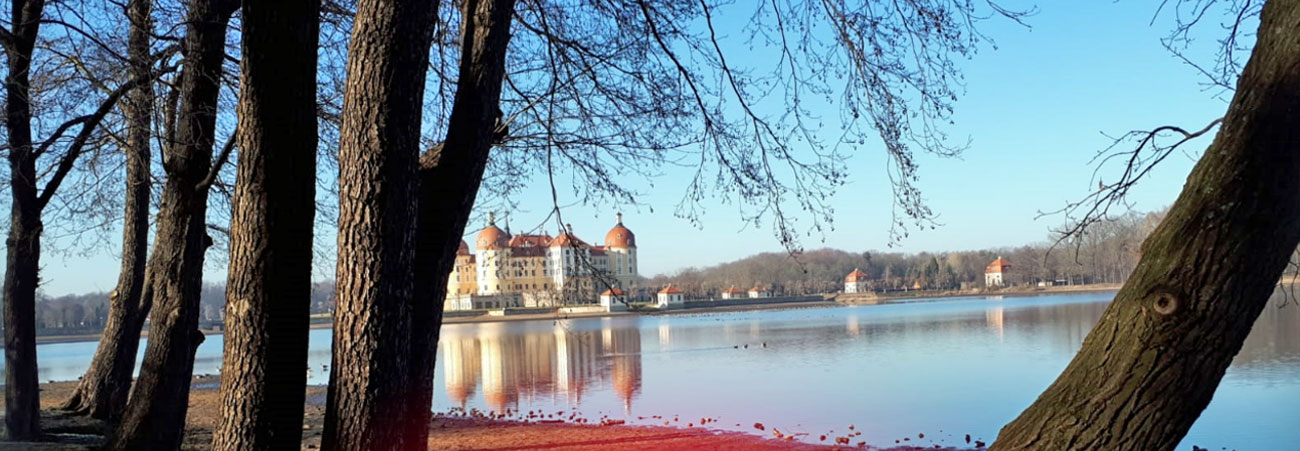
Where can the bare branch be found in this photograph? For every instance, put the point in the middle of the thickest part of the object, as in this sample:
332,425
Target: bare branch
215,171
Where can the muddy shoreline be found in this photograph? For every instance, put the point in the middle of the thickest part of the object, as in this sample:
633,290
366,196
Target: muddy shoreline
458,430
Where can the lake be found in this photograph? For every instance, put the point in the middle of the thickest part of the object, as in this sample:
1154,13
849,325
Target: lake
944,369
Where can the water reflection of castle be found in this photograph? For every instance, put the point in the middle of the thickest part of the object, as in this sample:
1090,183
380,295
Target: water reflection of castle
562,363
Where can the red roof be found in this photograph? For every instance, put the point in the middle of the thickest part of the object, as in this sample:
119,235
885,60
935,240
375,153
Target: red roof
528,251
757,290
463,249
734,290
856,276
620,236
568,240
613,291
998,266
524,240
670,289
491,237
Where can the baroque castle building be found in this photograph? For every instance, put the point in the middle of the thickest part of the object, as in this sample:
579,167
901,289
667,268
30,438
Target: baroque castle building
527,270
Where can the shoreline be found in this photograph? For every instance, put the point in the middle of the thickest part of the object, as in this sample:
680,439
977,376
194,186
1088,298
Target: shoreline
460,429
833,300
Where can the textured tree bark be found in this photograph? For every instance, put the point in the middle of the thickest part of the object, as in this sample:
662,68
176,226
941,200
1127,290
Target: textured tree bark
1153,361
450,175
155,414
102,392
378,156
268,292
22,264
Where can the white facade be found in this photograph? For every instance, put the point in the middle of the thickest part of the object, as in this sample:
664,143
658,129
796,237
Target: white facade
756,293
613,299
995,273
993,279
670,297
857,282
733,293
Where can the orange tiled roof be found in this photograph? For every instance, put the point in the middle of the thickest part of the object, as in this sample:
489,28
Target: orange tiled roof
568,240
491,237
734,290
670,289
998,266
856,276
525,240
613,291
620,236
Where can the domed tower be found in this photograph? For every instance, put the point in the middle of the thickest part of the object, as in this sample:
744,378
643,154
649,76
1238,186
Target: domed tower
620,244
493,254
463,278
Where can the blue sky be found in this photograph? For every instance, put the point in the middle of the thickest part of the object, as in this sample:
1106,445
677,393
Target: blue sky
1035,110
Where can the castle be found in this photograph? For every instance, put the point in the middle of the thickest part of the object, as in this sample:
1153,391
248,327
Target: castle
539,270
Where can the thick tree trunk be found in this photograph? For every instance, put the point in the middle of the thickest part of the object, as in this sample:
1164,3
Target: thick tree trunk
1152,363
155,414
102,392
268,292
22,393
378,156
449,180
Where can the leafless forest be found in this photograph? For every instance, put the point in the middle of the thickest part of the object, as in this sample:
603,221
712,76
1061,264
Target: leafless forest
239,130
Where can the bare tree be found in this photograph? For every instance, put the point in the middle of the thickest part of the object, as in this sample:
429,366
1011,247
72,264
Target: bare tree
102,392
378,188
445,173
29,200
1153,361
268,295
155,414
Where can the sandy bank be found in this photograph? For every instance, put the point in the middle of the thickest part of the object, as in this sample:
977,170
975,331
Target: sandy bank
461,431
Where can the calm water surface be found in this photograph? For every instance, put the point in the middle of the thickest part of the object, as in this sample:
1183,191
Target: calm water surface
945,369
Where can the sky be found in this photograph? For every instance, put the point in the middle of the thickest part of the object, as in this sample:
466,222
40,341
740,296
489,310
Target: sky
1036,110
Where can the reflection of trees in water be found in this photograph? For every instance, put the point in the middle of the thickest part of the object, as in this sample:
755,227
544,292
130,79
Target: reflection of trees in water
542,365
567,364
1061,326
1275,337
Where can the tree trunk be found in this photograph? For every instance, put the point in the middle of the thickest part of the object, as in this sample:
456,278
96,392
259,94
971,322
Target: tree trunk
22,392
103,390
155,414
268,292
1152,363
378,155
449,180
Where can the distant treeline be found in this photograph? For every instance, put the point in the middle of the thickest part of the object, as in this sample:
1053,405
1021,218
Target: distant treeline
1107,253
88,312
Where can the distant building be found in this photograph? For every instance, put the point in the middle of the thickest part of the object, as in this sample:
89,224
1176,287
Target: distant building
670,297
613,299
733,293
540,269
995,274
462,280
759,293
856,282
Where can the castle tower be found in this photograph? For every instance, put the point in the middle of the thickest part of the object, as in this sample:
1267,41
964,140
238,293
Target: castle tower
620,244
493,257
